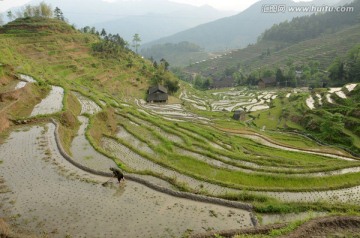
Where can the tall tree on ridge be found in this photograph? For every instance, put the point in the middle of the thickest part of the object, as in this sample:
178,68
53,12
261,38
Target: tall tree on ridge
59,14
136,42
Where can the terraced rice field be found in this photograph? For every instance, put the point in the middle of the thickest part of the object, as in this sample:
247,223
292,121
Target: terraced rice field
134,159
332,92
230,100
87,105
183,152
53,197
85,154
51,104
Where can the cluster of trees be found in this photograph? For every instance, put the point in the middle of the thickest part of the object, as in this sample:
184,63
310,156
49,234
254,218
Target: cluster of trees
109,45
164,77
306,74
309,27
41,10
291,74
202,83
348,69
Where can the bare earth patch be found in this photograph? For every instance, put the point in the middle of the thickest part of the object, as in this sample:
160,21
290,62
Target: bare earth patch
323,227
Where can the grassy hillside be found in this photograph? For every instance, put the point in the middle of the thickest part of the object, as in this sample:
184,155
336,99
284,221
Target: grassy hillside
194,150
53,52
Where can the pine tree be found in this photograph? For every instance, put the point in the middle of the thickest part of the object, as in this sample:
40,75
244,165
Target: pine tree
103,33
136,42
59,14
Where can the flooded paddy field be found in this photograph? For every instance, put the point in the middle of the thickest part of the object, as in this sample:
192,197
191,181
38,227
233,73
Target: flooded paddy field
51,104
51,196
84,154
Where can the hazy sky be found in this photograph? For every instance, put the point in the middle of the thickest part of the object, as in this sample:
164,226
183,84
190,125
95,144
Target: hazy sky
234,5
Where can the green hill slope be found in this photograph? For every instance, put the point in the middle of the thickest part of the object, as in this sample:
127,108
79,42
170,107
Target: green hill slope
52,51
254,59
239,30
307,44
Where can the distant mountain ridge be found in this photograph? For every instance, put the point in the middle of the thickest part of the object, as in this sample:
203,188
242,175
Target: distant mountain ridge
317,46
239,30
152,26
151,19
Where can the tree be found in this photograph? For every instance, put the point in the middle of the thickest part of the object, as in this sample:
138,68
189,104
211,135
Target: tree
337,71
239,78
86,29
155,64
280,78
59,14
353,64
10,15
165,64
103,33
136,42
1,20
28,11
172,85
202,83
45,10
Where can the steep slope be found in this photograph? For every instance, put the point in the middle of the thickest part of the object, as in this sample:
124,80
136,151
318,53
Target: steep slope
239,30
307,44
323,49
54,52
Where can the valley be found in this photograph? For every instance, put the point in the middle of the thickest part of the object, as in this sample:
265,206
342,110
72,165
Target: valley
73,104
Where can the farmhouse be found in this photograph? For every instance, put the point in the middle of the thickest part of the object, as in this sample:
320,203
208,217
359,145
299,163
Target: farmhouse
239,115
267,82
157,93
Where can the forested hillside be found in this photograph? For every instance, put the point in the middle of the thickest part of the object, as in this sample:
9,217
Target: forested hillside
236,31
309,27
308,51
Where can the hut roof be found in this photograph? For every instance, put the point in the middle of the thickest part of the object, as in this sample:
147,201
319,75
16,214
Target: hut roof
157,88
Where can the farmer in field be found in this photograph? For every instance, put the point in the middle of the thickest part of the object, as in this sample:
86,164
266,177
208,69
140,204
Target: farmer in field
117,173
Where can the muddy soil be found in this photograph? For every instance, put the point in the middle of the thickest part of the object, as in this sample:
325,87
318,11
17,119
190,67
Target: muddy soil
50,196
348,226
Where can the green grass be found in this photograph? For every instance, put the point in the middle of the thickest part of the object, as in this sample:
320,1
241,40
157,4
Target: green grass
236,179
69,124
75,68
